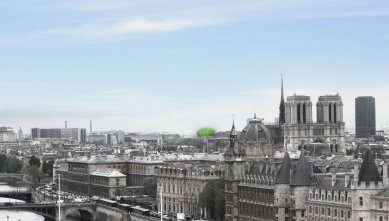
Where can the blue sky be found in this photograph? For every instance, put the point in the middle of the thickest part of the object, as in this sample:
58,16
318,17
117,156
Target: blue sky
179,65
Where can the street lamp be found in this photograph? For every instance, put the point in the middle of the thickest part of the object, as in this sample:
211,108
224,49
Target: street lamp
161,205
59,197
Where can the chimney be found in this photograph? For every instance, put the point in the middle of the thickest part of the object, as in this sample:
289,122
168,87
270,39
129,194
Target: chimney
356,171
385,171
90,126
346,180
66,124
333,179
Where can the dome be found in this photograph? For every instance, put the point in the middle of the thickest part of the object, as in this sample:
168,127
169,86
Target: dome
255,131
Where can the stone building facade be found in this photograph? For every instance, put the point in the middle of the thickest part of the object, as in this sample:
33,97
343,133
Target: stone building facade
330,198
181,185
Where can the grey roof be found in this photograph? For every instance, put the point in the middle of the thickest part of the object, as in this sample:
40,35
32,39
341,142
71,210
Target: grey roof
302,173
383,193
325,182
368,171
255,131
232,151
283,175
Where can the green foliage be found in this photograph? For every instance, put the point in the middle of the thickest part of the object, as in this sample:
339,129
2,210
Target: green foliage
212,197
33,173
150,186
3,163
205,132
34,161
47,168
13,165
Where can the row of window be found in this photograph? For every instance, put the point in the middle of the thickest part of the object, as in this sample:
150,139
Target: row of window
256,210
335,196
330,212
255,194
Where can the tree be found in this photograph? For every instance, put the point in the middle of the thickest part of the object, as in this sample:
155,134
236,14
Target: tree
150,186
212,198
33,173
13,165
205,132
34,161
47,168
3,163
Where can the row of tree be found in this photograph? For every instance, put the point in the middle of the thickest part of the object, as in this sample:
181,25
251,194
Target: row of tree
10,164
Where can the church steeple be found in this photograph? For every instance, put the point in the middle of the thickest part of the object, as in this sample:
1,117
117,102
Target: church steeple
281,118
233,134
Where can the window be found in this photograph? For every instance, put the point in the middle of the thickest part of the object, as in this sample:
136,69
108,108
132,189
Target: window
360,218
316,210
335,212
322,211
302,213
341,213
381,219
349,214
361,201
381,205
310,209
329,212
286,210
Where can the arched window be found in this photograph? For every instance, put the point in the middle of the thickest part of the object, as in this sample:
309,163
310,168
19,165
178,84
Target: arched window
304,114
298,113
329,112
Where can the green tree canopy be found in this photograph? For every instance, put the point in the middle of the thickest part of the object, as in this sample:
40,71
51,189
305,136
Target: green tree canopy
212,197
3,163
205,132
150,186
47,168
34,161
13,165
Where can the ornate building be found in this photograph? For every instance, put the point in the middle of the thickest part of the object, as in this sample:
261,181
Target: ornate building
299,128
181,185
259,187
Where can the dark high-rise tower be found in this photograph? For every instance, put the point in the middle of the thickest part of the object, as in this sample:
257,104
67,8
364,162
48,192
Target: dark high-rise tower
281,118
365,116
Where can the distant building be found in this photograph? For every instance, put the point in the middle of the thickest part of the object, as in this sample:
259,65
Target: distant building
94,176
365,124
20,134
7,134
97,138
75,134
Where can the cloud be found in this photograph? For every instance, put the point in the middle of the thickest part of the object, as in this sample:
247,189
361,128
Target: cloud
95,32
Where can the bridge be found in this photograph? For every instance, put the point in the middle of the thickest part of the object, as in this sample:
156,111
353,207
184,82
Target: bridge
11,177
85,211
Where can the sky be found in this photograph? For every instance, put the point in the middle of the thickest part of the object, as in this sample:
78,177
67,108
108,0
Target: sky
176,66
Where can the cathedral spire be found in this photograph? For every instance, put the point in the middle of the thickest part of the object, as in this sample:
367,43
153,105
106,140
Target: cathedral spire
281,118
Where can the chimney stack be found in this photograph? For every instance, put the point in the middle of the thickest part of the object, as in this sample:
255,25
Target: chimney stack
66,124
385,171
90,126
346,180
333,179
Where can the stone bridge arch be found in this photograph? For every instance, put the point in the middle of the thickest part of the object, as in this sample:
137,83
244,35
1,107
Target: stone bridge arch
81,211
